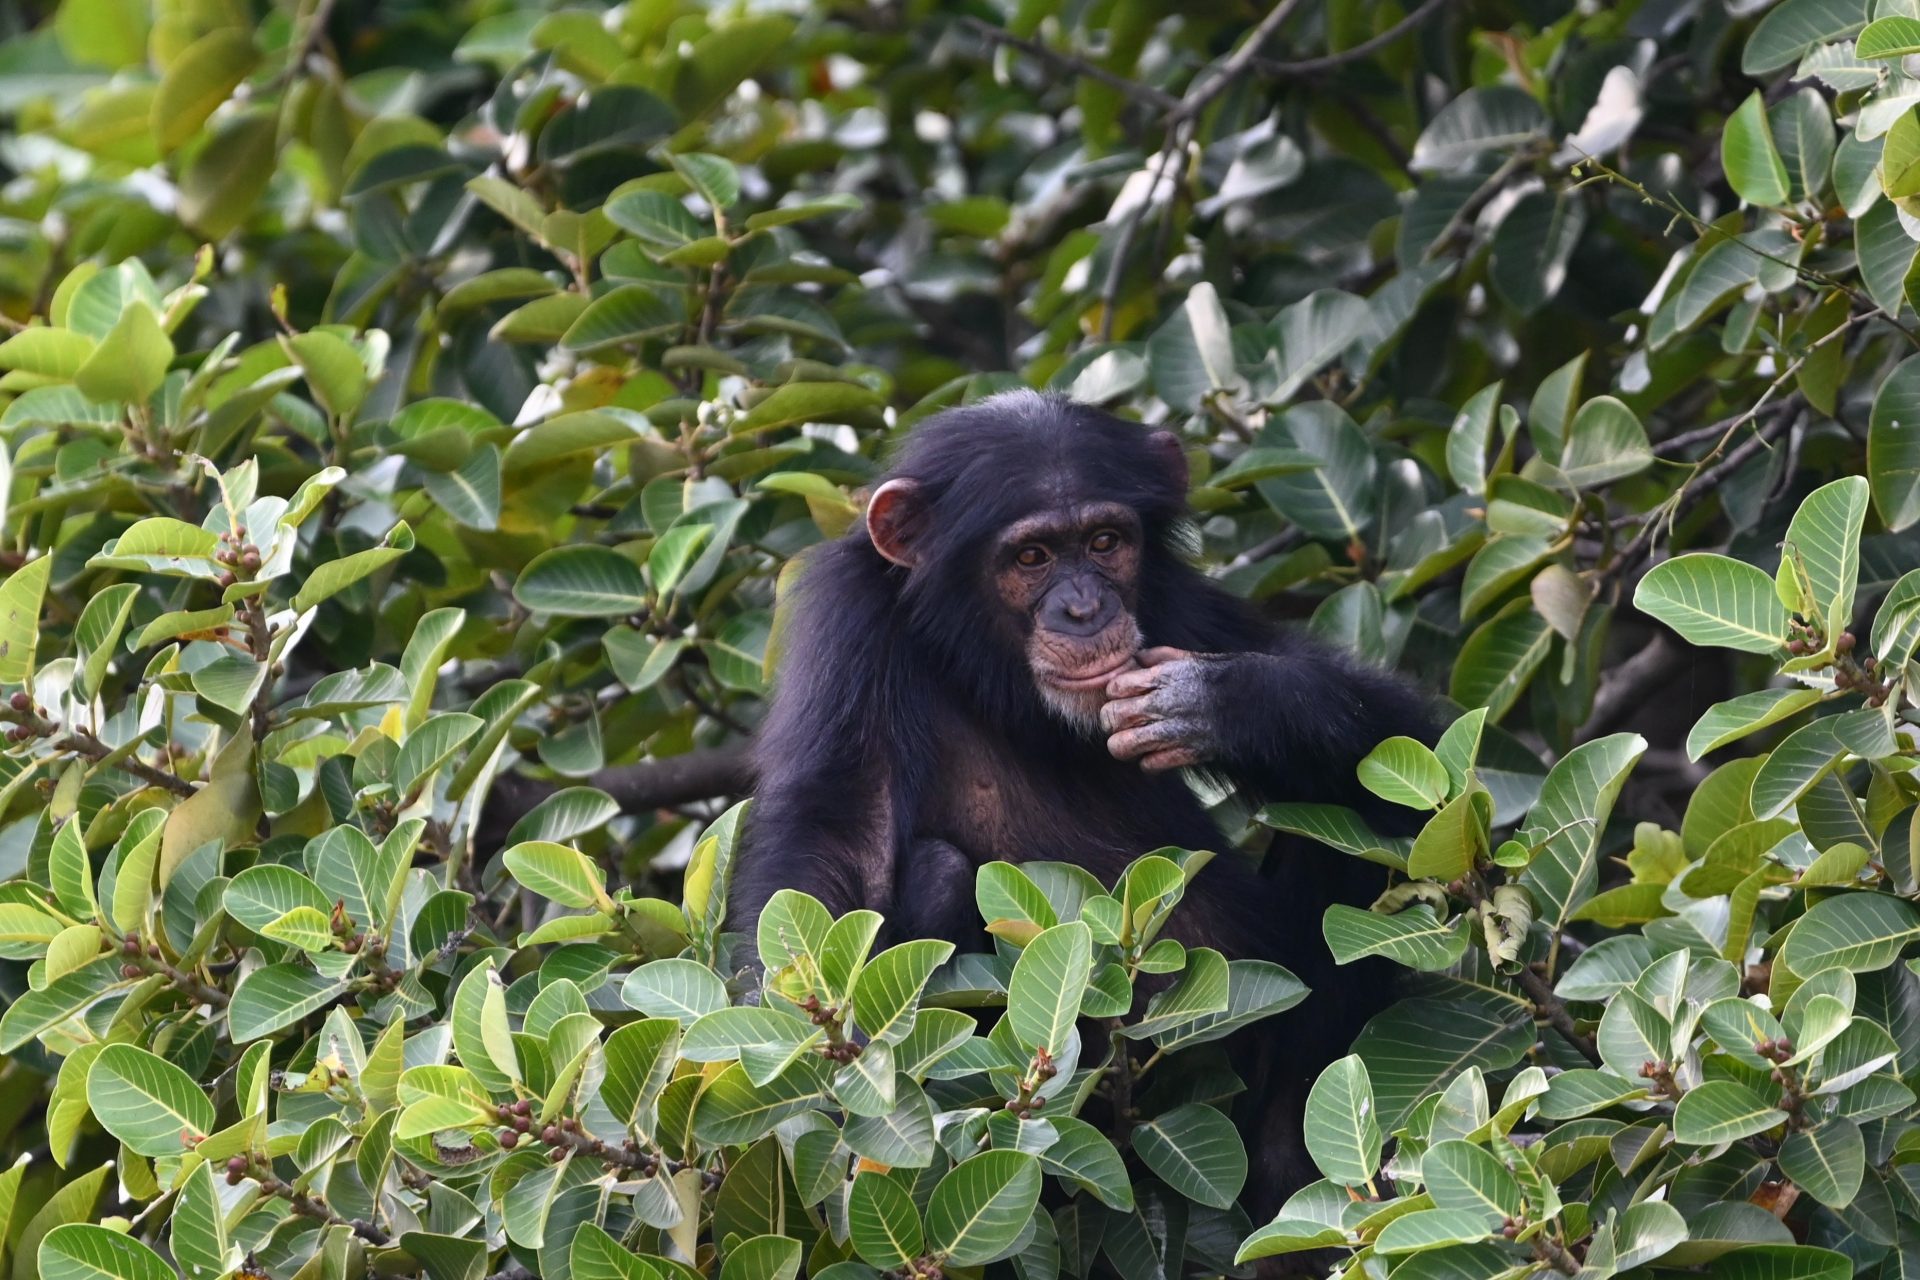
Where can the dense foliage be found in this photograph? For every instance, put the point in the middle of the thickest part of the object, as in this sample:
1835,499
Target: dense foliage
409,410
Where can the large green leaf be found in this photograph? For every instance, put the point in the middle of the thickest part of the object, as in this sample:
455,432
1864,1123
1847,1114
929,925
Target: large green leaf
1049,980
1715,600
82,1251
979,1210
1342,1128
1195,1150
148,1103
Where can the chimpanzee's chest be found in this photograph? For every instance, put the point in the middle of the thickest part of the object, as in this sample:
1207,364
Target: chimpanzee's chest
991,801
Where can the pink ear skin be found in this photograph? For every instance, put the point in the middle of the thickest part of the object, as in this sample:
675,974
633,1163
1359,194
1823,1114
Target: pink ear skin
1173,457
895,515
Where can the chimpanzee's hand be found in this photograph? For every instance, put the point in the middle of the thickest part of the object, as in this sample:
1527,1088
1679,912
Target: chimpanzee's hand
1162,713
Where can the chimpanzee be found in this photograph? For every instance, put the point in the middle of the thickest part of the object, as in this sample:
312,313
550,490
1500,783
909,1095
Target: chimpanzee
1012,660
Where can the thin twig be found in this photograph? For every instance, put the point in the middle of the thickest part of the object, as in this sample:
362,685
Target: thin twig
1173,145
1693,491
1201,95
1550,1007
1365,49
309,41
1072,63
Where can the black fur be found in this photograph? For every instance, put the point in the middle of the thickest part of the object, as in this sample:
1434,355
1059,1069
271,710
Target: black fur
896,688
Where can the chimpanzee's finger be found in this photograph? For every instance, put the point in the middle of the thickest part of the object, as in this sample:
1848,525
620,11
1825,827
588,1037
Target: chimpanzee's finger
1126,713
1173,758
1131,744
1162,654
1134,682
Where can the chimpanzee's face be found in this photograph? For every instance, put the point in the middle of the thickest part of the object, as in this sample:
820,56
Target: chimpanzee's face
1069,579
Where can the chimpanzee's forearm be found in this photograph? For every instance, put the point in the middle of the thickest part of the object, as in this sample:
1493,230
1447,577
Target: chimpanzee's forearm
1294,723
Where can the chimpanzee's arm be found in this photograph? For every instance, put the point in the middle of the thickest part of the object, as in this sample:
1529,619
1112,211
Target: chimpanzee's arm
1287,723
810,834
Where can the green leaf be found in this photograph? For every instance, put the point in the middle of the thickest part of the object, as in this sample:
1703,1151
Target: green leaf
1715,600
1087,1158
1604,443
1828,1161
1499,118
630,313
1414,937
277,996
131,361
20,596
198,80
1749,158
1334,499
806,402
335,373
560,873
1735,718
1893,37
82,1251
681,989
1575,802
884,1223
148,1103
582,582
1195,1150
1471,1179
199,1226
1858,932
1722,1111
1404,771
839,202
1499,659
886,995
1049,979
1341,1129
1893,438
1793,767
979,1210
1190,357
1793,27
47,352
1824,538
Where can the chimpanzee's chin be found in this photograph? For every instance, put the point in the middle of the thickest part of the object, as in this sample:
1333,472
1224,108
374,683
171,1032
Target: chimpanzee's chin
1078,709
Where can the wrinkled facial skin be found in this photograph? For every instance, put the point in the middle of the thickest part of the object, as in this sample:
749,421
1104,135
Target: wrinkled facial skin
1070,579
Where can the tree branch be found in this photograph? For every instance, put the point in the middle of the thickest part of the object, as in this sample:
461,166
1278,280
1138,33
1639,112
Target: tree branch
1550,1007
1071,63
1365,49
1202,93
650,784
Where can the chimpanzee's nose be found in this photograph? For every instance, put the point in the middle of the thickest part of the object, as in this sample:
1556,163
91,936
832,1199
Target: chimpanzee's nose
1084,607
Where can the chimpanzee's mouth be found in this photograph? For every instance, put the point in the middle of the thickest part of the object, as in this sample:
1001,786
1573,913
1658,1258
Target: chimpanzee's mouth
1092,680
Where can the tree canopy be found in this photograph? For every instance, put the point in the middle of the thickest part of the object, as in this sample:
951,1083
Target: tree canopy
408,412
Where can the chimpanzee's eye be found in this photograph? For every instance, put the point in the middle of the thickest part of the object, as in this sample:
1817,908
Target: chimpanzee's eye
1104,541
1032,557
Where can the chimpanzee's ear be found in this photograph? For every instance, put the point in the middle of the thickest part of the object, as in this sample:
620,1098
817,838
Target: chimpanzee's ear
1172,456
896,516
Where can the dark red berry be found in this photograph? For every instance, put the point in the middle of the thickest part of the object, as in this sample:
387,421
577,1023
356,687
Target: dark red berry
550,1135
132,945
226,579
250,560
237,1164
21,701
522,1124
233,1178
509,1139
129,970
